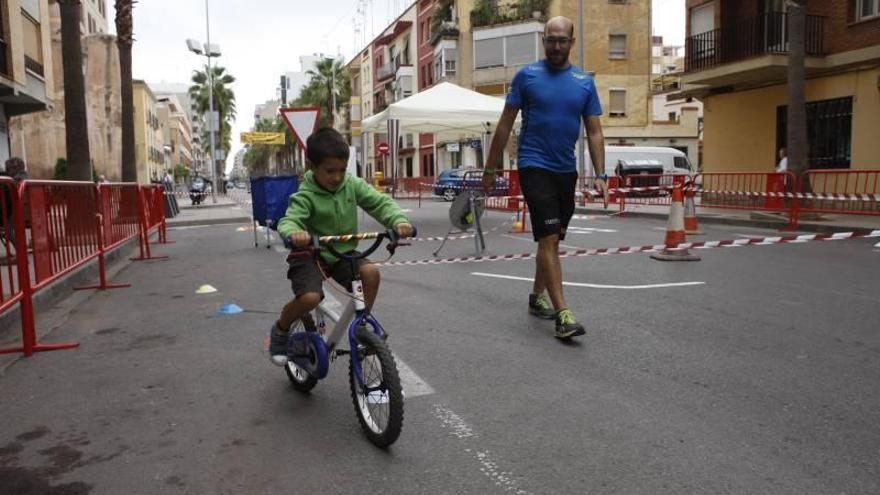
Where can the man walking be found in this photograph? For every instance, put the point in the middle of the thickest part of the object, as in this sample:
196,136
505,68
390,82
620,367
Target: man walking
553,96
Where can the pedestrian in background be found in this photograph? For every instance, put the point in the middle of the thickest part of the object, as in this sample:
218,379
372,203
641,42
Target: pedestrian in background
782,165
15,168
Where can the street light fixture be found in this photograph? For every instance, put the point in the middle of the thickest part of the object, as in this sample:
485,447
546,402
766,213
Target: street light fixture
209,50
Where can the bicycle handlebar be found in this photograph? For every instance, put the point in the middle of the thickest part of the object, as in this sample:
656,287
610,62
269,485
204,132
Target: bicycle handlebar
316,243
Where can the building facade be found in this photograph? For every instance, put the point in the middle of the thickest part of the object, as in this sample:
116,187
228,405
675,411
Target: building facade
737,62
94,17
460,42
149,142
40,137
177,134
27,78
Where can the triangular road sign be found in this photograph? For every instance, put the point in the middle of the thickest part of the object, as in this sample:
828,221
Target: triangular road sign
301,121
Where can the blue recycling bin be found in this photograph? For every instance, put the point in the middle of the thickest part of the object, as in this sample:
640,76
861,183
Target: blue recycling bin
270,197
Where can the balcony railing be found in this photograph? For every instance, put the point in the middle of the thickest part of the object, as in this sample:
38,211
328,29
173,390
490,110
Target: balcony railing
766,34
385,72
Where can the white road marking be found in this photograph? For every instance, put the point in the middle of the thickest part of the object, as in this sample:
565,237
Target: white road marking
529,239
594,286
576,229
413,384
877,245
457,427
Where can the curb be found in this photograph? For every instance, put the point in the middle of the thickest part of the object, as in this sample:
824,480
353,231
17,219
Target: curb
740,222
208,221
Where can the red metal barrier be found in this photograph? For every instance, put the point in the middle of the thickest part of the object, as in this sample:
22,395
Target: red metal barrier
151,217
61,216
641,189
506,195
755,191
851,192
117,220
409,187
10,289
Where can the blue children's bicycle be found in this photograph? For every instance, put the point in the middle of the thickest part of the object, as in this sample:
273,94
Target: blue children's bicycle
373,378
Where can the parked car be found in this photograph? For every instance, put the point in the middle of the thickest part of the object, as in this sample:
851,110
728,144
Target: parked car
198,190
452,182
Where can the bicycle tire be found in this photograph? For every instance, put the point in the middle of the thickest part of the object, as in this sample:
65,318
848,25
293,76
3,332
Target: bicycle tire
302,380
373,350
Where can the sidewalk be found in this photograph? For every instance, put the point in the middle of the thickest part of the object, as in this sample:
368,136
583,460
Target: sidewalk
224,211
829,223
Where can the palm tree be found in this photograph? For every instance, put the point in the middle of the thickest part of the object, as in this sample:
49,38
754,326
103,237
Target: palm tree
798,145
327,78
124,40
224,104
76,124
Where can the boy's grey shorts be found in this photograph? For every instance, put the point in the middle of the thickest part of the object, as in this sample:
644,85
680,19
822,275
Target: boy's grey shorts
305,277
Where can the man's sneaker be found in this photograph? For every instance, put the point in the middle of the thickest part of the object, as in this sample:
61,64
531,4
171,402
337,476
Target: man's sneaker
540,306
567,326
277,346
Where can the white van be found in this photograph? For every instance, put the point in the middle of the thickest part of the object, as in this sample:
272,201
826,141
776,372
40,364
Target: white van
636,160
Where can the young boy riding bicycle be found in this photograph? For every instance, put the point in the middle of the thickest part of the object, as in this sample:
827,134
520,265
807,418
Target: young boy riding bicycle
326,204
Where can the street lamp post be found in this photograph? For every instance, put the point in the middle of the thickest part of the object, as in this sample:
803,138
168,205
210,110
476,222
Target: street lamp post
581,158
209,51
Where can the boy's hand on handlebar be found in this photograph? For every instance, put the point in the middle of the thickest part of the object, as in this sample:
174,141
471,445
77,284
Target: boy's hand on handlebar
404,229
300,238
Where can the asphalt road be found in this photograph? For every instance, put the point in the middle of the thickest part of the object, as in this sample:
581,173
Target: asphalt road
758,376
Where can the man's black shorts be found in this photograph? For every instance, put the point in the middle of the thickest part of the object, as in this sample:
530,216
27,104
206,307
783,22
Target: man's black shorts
550,196
305,277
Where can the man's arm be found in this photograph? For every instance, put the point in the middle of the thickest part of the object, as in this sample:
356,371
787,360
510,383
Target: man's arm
596,143
499,142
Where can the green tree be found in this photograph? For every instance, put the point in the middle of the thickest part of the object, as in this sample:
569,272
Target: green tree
328,77
124,41
224,105
76,124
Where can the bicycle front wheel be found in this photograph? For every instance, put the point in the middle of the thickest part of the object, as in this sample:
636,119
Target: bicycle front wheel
379,401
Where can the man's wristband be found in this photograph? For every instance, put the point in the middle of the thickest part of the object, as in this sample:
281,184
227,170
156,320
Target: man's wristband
602,177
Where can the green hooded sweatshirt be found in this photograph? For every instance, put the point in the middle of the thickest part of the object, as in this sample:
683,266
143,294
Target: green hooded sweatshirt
318,211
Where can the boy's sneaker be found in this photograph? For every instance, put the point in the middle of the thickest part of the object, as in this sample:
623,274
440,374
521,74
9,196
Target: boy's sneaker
277,346
567,326
540,306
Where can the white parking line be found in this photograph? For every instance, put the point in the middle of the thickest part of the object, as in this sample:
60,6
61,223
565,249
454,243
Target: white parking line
413,384
594,286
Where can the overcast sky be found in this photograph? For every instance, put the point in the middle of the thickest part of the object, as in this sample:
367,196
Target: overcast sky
261,39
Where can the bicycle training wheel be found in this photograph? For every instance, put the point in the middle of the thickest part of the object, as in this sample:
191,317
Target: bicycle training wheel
379,402
299,376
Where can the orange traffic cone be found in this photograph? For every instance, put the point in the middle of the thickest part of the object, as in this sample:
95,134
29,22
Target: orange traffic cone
675,233
520,224
690,213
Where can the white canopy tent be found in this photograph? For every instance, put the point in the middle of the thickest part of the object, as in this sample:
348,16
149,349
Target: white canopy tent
446,110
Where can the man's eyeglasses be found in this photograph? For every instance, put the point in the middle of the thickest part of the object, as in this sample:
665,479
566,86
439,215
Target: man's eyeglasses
552,40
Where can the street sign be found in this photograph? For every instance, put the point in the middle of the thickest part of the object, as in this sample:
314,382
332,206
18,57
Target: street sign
383,148
453,147
301,121
262,138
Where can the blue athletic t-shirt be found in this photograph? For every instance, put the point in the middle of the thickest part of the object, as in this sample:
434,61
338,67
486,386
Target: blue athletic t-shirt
552,102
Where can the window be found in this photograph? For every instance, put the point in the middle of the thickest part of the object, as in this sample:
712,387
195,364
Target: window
33,42
489,53
866,9
450,56
681,162
617,103
829,131
617,46
427,30
673,116
521,49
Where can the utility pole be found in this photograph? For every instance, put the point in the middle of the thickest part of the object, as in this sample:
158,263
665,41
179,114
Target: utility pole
580,147
211,119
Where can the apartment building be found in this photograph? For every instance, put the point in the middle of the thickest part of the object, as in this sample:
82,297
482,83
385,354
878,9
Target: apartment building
149,142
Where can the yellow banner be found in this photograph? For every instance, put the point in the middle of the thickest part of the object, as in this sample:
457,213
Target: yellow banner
262,138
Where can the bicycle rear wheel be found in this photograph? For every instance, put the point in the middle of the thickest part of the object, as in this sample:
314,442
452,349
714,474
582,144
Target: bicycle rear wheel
379,402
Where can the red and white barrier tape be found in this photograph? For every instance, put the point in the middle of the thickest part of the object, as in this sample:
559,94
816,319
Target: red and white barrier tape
762,241
827,196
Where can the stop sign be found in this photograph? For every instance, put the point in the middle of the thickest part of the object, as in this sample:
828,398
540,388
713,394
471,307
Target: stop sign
383,148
